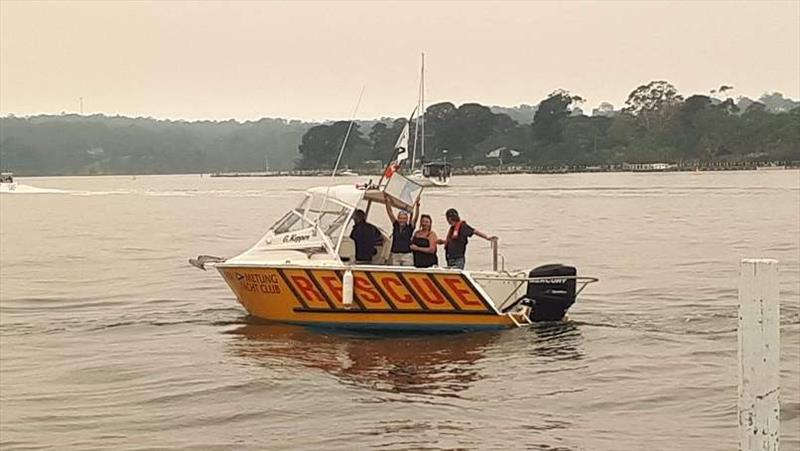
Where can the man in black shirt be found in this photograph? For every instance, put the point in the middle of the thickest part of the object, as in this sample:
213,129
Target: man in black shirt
365,236
455,246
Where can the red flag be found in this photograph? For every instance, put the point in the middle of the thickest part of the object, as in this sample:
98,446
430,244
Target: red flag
390,170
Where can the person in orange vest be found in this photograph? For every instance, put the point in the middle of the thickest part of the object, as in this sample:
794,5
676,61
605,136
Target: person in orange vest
455,245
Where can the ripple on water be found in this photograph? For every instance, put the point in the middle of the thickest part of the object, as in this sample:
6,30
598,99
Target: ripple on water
110,340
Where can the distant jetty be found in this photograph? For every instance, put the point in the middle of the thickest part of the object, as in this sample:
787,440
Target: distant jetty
296,173
561,169
631,167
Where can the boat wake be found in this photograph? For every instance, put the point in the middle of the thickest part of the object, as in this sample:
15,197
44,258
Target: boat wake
27,189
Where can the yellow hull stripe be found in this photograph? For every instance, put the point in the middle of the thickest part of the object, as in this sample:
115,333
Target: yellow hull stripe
380,297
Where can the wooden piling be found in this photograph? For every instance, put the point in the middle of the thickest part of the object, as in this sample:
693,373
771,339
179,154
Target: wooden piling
759,355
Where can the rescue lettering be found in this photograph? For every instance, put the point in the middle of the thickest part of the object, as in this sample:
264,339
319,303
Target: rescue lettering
390,284
464,294
306,289
431,294
365,291
333,284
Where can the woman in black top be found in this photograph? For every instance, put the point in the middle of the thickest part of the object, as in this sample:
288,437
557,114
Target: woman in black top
423,244
402,230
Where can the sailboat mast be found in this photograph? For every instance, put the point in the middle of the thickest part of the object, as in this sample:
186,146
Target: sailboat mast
416,133
422,109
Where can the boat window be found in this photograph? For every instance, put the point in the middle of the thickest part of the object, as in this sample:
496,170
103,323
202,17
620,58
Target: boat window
329,215
331,223
294,220
290,222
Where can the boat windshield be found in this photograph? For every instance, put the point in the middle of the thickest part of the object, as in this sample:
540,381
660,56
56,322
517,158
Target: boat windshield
292,221
329,214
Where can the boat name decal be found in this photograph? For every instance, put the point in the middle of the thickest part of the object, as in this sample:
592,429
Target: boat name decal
296,238
259,282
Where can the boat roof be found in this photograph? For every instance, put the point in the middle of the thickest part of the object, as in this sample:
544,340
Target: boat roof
348,195
351,195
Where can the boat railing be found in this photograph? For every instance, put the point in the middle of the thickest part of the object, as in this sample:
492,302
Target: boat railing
582,281
495,254
496,259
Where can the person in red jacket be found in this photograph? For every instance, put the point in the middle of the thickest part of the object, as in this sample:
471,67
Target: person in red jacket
455,245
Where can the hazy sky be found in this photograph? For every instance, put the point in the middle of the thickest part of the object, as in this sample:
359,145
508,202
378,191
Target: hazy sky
245,60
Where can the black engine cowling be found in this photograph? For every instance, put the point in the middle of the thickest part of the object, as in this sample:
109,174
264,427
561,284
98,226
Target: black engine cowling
552,298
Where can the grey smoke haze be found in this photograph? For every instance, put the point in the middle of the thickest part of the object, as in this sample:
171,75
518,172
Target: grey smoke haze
308,60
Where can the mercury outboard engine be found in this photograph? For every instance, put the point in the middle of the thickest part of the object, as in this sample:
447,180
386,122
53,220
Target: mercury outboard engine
550,299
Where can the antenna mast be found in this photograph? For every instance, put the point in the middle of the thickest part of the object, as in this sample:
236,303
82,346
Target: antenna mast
341,151
422,109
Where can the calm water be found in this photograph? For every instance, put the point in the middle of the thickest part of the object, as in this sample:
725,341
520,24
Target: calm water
110,340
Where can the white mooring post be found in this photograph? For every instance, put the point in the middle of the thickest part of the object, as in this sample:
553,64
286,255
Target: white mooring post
759,355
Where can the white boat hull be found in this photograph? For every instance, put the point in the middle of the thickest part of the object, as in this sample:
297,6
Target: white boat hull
429,182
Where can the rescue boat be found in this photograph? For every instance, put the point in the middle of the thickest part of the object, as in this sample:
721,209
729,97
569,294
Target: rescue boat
303,271
7,183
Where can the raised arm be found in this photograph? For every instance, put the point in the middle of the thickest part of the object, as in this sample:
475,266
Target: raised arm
389,211
416,215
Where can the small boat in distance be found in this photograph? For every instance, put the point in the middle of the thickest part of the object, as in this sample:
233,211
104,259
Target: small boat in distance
433,173
7,183
771,167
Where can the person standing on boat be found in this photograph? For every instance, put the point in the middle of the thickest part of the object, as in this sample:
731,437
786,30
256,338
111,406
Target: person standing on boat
423,244
455,246
365,236
402,229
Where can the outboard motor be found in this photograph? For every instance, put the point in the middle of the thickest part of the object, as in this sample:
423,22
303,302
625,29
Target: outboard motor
551,298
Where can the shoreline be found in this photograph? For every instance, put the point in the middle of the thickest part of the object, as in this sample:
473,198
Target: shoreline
517,170
529,170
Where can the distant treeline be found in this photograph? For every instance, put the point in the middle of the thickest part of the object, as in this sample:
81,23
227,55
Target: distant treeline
656,124
76,145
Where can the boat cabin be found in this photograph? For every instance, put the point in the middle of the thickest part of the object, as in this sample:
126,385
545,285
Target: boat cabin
437,170
6,177
318,228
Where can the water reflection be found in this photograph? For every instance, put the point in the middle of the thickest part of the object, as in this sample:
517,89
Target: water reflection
441,364
556,341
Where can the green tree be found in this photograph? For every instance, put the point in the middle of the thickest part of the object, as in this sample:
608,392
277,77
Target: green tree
321,144
653,103
384,136
548,121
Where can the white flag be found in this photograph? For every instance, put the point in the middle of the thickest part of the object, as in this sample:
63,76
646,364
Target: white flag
402,145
